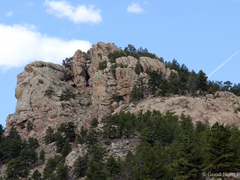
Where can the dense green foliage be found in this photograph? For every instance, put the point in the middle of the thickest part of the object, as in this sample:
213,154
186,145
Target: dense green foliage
66,62
49,92
102,65
171,147
19,155
67,95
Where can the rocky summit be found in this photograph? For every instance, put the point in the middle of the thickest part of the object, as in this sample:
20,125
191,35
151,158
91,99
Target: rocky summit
44,94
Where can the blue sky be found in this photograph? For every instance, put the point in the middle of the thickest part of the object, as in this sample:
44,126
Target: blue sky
201,34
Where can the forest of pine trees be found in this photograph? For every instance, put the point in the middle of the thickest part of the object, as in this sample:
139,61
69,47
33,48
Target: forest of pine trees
171,147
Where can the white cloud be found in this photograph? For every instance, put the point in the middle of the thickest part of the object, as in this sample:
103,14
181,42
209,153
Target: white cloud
80,14
22,44
29,4
135,8
10,13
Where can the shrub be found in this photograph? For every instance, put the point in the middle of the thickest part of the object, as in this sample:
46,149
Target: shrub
66,62
116,97
67,95
29,126
49,92
113,69
22,126
94,123
66,76
116,54
102,65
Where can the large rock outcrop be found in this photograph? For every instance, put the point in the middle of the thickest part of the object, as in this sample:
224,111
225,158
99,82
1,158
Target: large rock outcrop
208,109
93,89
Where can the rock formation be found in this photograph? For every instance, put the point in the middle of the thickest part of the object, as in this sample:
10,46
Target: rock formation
93,89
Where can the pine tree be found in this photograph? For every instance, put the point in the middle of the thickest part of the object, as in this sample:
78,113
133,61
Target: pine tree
49,136
94,123
91,138
36,175
95,171
222,151
60,141
154,81
187,166
174,83
202,81
29,126
112,166
153,164
42,155
14,169
80,166
135,93
62,171
138,68
69,131
66,149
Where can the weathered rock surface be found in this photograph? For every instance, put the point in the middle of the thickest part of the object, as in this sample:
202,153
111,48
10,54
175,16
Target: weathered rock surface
205,109
93,89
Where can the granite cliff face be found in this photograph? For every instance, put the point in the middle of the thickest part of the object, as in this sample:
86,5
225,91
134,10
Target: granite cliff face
93,89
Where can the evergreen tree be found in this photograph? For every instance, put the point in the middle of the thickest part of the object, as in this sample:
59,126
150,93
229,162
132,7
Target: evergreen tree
138,68
117,97
164,87
187,166
221,153
94,123
69,132
154,81
49,136
92,138
49,92
42,155
29,126
66,149
81,139
62,171
14,169
60,141
80,166
202,81
36,175
174,83
153,164
95,171
112,166
135,93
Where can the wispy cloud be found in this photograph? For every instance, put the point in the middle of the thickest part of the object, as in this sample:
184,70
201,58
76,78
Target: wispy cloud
135,8
22,44
10,13
29,4
80,14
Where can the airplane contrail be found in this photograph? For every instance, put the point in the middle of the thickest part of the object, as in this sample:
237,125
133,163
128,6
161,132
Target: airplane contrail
223,63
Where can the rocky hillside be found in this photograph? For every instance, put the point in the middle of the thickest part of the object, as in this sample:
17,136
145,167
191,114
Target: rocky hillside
93,89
